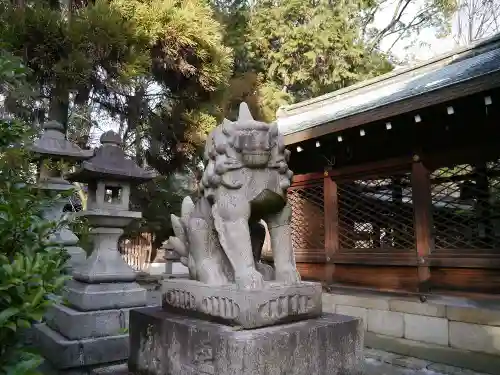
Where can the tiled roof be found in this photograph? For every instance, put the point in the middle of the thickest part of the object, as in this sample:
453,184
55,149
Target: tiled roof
461,65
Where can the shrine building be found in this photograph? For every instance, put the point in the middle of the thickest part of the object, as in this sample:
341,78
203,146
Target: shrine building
396,204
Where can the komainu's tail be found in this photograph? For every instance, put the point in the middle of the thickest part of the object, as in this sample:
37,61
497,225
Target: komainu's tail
180,242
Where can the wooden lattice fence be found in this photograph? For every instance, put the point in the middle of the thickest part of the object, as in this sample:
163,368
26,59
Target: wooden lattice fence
136,251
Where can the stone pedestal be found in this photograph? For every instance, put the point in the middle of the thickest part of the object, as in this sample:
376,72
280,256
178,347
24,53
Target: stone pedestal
276,303
165,343
91,329
80,356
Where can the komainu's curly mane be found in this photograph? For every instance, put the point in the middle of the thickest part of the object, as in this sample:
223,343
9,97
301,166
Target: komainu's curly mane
221,155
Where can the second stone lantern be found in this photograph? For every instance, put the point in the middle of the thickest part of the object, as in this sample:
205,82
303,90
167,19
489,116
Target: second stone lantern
53,146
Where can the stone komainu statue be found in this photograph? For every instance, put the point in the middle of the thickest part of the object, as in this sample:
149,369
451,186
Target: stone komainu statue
220,237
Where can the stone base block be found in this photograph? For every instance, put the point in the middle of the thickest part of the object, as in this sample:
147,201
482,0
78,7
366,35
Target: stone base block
66,354
166,343
87,297
76,325
276,303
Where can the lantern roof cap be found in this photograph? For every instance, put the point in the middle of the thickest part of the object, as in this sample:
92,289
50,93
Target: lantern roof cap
111,137
110,163
53,143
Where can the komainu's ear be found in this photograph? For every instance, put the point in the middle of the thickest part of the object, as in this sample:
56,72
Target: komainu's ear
280,142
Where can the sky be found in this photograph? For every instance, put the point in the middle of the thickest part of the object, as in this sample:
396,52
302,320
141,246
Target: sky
436,46
427,43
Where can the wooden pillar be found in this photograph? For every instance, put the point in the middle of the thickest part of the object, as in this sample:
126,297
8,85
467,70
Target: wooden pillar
422,206
482,209
397,201
331,215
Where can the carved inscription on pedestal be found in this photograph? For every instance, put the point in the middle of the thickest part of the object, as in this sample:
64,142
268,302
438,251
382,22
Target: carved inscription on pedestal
149,352
204,358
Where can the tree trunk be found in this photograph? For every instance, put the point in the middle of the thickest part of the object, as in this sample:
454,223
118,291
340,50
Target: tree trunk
59,105
134,119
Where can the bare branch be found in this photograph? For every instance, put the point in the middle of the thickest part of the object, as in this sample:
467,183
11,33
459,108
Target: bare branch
476,19
396,17
409,27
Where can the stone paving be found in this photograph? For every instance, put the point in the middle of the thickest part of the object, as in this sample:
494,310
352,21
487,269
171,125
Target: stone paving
378,362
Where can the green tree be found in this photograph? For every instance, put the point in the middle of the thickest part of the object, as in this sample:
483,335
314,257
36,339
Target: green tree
30,266
168,114
293,50
281,47
71,52
107,55
310,48
153,66
476,20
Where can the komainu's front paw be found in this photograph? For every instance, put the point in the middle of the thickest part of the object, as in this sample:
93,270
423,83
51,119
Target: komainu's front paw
288,276
251,280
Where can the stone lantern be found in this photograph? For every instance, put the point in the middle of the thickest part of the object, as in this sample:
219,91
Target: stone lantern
91,327
109,176
53,147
